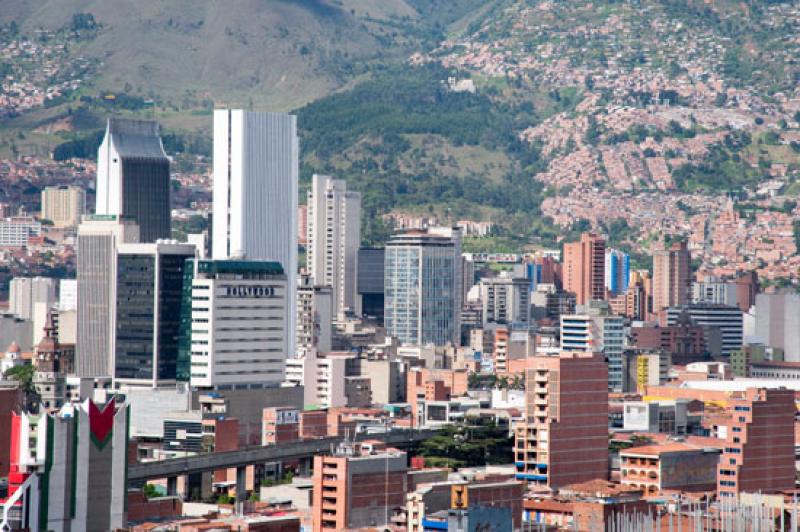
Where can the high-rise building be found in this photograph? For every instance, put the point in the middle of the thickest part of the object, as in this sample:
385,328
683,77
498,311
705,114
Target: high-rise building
133,177
234,323
63,205
505,300
672,276
595,330
584,268
618,271
778,322
723,326
314,317
334,234
15,232
358,487
715,291
98,239
422,302
255,193
147,313
759,445
69,469
68,294
564,438
369,282
26,292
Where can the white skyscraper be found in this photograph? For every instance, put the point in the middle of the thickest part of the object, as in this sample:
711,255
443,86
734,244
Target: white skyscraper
334,234
255,194
26,292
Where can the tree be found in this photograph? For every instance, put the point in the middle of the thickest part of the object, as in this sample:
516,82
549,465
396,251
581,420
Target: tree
24,376
150,491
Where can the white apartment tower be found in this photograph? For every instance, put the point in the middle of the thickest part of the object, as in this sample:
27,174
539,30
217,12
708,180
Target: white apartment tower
255,194
334,234
63,205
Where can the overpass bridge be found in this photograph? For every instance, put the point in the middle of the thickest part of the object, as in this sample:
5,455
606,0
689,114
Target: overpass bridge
239,459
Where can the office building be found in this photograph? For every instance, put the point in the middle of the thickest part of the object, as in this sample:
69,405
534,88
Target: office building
334,234
26,292
255,193
564,438
668,417
643,368
505,300
778,323
324,377
584,268
672,277
234,325
98,239
715,291
759,443
685,340
63,205
721,324
422,303
369,282
595,330
357,487
15,232
314,317
618,271
147,313
69,469
133,177
281,425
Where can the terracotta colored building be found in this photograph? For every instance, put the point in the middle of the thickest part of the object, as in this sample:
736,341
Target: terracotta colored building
584,268
564,438
759,447
355,488
10,401
424,384
281,425
671,466
684,341
672,277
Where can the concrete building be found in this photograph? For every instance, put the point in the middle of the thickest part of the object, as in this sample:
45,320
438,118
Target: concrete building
424,385
324,377
26,292
684,340
597,331
53,362
722,326
668,417
147,312
645,368
69,469
255,193
672,276
133,177
422,302
369,282
505,300
14,329
334,234
564,438
281,425
15,232
314,317
233,325
759,443
777,323
715,291
63,205
671,466
356,488
584,268
11,401
98,239
68,294
618,271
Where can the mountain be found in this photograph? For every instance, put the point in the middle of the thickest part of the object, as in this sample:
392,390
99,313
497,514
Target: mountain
274,53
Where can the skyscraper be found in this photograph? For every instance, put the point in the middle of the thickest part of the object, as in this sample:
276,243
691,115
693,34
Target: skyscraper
334,234
26,292
149,282
255,194
133,176
232,323
422,301
98,238
595,330
618,271
584,268
672,277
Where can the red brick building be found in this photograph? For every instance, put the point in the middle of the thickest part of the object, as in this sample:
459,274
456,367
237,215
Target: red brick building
584,269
